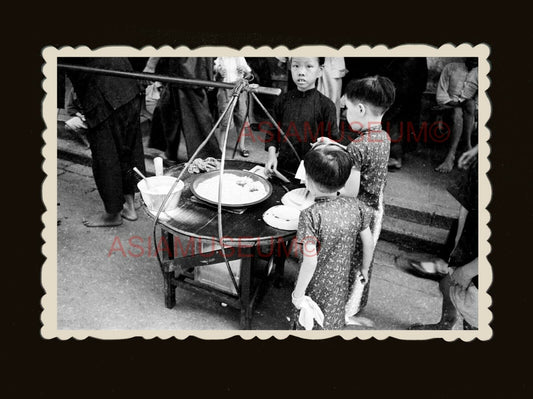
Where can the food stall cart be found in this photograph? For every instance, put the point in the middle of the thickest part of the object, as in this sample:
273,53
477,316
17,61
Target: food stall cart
190,244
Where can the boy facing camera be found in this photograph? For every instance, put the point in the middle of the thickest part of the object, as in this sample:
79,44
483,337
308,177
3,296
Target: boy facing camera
303,114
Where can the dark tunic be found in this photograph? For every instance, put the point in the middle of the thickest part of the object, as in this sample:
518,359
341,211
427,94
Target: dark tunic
335,224
303,116
111,107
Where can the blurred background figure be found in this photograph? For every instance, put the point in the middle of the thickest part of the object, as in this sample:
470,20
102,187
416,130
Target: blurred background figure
330,83
457,96
262,70
182,108
230,70
409,76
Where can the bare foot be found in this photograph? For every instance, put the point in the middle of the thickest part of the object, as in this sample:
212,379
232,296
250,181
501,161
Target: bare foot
128,209
446,166
129,213
105,220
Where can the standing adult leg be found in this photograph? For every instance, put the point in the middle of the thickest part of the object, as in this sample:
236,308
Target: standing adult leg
168,122
131,153
456,132
111,161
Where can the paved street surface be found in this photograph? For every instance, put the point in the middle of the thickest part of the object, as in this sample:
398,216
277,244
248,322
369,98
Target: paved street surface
101,289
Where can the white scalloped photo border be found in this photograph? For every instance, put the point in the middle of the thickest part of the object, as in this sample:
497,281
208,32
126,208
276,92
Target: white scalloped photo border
50,55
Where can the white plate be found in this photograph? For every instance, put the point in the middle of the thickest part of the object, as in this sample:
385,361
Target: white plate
296,199
282,217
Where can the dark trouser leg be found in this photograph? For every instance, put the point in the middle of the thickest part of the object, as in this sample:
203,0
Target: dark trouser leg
106,168
396,133
113,143
197,123
412,124
131,151
449,312
157,136
171,121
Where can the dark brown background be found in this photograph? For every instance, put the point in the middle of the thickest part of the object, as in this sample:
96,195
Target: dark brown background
391,368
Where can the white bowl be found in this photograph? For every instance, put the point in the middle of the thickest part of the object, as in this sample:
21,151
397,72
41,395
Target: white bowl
155,189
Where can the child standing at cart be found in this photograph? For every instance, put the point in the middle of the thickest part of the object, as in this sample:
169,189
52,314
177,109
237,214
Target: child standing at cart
303,114
367,100
327,232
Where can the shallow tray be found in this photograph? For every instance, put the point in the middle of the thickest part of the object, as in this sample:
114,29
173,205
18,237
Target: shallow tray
204,176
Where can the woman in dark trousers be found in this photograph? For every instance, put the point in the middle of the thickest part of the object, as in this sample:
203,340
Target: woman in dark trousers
111,108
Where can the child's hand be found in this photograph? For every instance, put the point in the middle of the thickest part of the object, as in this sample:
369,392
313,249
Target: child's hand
271,163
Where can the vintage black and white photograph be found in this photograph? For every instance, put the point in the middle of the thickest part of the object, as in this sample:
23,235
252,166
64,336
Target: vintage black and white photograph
267,192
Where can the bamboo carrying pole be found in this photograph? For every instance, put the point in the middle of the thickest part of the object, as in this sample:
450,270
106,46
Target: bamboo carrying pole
168,79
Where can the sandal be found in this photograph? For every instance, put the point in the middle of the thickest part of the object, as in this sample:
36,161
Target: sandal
417,265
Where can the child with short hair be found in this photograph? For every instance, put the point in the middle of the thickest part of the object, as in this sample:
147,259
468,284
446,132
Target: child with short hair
327,231
367,100
303,114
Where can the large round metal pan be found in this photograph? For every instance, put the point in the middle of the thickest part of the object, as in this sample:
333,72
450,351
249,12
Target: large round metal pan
204,176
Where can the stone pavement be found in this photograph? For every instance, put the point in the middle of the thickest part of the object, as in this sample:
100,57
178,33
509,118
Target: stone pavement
102,289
